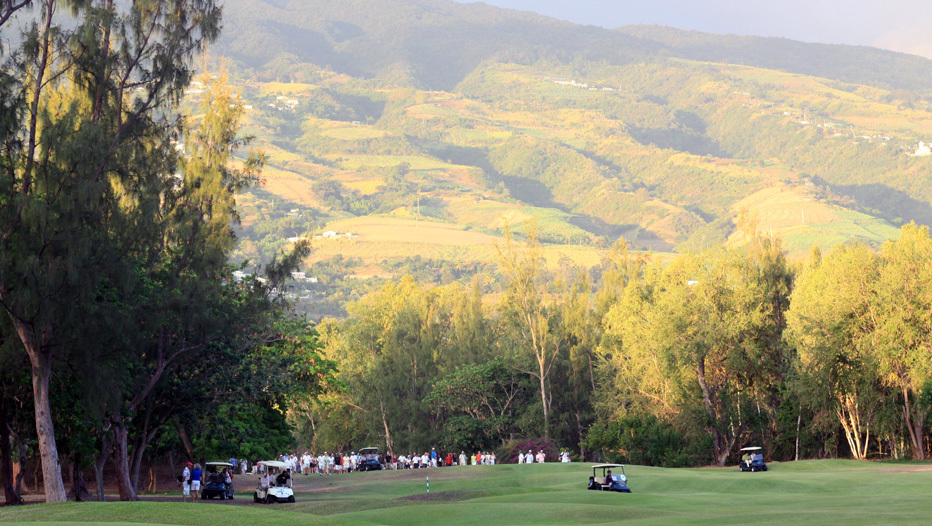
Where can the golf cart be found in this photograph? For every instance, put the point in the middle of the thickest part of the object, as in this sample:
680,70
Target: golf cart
609,481
752,460
370,459
215,484
277,490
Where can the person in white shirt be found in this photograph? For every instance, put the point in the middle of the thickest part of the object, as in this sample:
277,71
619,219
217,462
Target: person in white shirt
462,458
186,483
492,459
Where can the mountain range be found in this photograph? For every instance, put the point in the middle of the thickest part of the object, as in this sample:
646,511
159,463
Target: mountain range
429,127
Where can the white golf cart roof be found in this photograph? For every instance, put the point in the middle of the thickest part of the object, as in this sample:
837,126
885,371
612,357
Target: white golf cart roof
752,448
224,464
272,463
368,450
606,466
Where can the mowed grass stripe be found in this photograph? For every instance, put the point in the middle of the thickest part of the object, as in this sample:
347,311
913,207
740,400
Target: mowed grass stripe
808,492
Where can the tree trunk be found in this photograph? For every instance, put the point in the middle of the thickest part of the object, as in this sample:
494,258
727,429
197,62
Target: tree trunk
21,472
849,414
186,442
543,399
6,460
141,445
171,462
136,460
914,424
106,444
45,429
151,488
389,443
718,441
78,486
121,450
799,421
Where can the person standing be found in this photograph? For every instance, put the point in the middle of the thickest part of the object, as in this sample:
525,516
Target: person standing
196,483
462,458
186,482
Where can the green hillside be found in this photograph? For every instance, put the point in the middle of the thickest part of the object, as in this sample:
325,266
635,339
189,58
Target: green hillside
490,120
436,43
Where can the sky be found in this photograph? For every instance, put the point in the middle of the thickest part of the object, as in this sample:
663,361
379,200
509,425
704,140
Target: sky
898,25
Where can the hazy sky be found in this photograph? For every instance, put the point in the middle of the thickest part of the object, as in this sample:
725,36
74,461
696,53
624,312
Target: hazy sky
900,25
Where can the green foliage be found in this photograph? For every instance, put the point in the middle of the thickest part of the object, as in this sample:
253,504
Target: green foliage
647,441
479,403
860,320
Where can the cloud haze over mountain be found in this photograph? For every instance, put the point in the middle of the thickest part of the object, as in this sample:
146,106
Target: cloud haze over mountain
898,25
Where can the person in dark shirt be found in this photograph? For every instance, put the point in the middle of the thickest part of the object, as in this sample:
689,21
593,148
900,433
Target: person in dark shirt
196,475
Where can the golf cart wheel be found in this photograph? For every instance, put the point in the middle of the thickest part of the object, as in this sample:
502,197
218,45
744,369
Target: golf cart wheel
271,499
230,496
255,497
223,495
291,498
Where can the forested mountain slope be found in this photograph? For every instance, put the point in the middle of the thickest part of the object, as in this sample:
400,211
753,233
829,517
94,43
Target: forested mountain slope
426,128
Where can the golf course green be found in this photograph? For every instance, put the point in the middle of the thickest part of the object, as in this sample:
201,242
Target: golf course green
810,492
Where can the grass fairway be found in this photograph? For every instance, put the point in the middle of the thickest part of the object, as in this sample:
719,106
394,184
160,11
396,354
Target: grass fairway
810,492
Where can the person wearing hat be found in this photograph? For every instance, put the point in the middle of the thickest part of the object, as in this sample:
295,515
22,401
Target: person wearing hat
186,482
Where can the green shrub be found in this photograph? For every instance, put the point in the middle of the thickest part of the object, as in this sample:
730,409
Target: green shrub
646,440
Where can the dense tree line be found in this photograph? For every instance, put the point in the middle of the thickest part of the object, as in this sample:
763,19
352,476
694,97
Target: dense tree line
680,362
123,331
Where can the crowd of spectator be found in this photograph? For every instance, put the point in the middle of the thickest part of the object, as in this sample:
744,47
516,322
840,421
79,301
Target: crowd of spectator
329,463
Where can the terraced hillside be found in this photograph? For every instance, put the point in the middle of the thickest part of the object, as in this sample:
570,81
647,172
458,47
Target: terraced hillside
648,142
